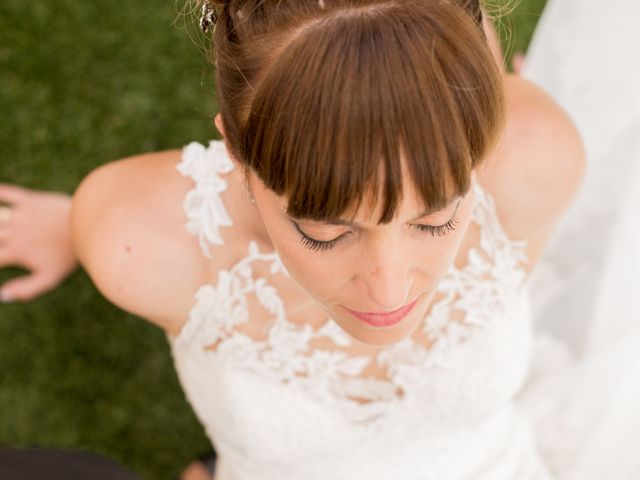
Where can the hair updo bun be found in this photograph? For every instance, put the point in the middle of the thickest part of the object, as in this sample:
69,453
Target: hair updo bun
327,101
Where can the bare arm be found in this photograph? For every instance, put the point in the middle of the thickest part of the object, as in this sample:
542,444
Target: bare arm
122,225
538,167
126,221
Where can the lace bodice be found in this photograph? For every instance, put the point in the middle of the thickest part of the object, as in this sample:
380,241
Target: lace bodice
291,396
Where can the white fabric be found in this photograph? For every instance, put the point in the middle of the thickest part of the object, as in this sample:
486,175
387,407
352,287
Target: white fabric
204,209
585,54
586,416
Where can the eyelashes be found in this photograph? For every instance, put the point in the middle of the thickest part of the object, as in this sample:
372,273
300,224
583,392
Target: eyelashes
440,230
312,244
318,245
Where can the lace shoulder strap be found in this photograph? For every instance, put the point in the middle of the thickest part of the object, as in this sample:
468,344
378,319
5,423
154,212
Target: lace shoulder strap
203,206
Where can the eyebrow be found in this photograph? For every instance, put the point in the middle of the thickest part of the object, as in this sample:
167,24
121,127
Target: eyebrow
348,223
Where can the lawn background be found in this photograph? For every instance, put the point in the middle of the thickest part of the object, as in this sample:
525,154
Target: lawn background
81,84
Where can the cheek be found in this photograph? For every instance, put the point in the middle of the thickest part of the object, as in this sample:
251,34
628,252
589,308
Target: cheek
434,262
314,272
430,265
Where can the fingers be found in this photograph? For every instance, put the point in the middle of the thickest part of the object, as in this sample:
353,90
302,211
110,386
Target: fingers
6,259
10,193
25,288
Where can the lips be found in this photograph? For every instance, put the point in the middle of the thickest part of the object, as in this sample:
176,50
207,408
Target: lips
387,319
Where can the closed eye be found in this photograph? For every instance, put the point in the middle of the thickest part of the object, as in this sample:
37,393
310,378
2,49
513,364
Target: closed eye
439,230
314,244
323,245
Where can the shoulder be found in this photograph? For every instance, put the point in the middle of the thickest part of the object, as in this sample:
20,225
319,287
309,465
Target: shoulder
538,166
128,230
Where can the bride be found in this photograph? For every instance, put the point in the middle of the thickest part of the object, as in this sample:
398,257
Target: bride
344,280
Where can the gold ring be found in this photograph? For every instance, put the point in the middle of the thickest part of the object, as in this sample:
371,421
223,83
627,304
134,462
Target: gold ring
5,215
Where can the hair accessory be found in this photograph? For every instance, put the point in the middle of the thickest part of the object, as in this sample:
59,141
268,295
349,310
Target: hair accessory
209,16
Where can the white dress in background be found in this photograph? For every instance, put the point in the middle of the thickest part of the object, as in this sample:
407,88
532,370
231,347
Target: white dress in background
586,288
585,54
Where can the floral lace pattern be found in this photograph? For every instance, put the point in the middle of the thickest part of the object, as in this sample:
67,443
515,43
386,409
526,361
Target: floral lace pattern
334,376
204,208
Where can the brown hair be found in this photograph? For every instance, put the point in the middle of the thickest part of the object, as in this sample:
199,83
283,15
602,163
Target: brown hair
321,98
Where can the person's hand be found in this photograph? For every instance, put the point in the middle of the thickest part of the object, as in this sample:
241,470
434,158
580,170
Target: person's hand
35,235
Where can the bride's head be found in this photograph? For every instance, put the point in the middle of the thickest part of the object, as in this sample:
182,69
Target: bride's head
358,125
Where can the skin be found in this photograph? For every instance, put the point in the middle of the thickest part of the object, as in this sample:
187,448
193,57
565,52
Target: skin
49,258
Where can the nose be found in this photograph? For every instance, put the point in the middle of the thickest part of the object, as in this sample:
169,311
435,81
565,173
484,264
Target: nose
385,279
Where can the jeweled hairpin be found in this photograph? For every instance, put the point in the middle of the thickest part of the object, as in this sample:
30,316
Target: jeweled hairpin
209,16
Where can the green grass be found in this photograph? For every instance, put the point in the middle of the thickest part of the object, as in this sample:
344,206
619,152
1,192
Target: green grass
83,83
516,27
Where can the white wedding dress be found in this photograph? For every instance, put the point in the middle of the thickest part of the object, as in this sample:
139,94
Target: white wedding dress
296,402
586,289
493,398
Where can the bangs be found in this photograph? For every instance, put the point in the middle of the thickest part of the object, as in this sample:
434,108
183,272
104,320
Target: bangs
356,98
